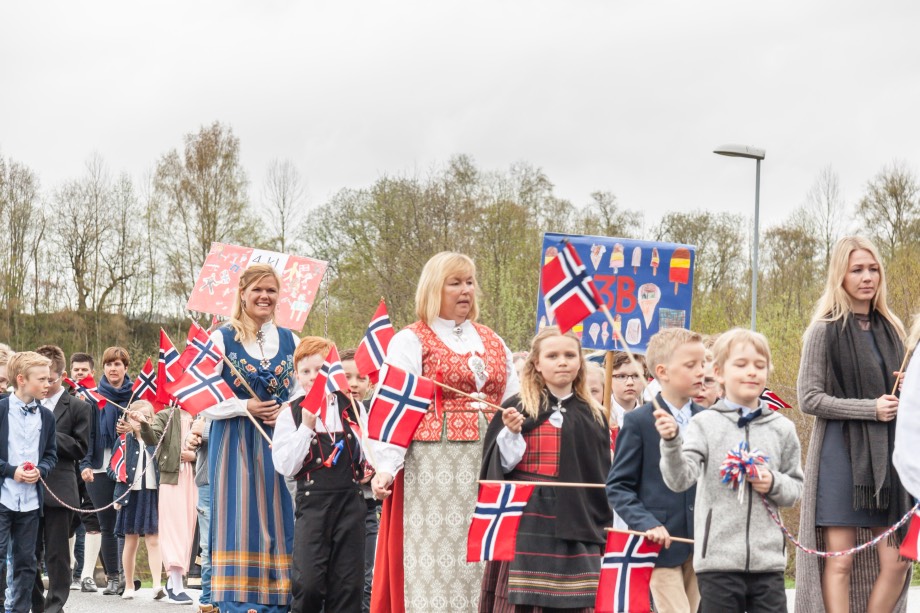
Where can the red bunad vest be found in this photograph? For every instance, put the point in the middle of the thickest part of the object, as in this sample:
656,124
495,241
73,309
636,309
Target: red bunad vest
439,362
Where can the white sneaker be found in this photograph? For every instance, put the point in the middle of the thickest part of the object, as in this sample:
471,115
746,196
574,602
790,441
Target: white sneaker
128,595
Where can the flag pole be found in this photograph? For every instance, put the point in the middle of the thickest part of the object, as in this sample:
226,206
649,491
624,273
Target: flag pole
677,539
470,396
255,396
543,483
364,438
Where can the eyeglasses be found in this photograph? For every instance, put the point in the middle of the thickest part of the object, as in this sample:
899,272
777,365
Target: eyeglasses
709,382
622,378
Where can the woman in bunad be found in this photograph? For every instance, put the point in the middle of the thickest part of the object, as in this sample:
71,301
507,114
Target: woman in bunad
429,493
252,517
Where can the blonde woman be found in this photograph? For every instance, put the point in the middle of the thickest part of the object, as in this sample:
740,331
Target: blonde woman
554,430
252,517
429,493
850,356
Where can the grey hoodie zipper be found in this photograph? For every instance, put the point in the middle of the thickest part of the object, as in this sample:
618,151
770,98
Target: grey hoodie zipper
750,493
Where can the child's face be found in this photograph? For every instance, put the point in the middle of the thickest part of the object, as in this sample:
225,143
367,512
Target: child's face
34,383
595,382
710,390
357,385
558,360
744,375
682,375
115,371
627,384
80,370
307,369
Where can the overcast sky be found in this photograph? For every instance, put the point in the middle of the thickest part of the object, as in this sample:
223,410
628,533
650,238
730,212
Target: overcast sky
626,96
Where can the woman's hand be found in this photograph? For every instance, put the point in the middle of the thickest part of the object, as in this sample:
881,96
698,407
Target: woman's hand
263,409
513,419
87,474
886,407
122,427
381,485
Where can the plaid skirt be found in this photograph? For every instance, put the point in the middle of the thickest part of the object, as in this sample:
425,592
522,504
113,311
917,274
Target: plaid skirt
547,572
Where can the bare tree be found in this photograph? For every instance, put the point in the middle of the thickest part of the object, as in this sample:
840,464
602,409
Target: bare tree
605,217
283,195
890,207
23,227
825,210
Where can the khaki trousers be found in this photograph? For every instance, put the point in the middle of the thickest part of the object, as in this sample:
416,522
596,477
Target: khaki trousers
675,589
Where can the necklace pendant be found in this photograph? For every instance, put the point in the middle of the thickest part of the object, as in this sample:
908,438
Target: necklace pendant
477,365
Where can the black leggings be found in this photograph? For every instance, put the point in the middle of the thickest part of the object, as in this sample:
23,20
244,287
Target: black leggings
102,491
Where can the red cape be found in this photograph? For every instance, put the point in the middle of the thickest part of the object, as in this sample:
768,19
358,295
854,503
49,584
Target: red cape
388,591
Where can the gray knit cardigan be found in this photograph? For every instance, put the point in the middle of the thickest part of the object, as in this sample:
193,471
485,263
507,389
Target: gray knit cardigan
814,399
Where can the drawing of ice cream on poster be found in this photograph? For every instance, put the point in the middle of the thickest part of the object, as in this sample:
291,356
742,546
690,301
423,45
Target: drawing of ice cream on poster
625,272
215,288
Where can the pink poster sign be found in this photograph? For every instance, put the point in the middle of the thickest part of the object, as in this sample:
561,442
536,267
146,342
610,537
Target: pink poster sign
215,288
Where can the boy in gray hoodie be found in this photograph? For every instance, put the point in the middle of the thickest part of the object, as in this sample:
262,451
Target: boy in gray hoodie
740,554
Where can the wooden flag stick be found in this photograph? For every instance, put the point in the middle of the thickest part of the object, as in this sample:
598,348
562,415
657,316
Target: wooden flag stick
545,483
897,381
677,539
471,397
365,441
255,396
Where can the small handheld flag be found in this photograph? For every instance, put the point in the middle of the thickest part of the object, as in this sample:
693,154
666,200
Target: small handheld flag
493,529
117,463
774,402
910,546
329,380
626,570
200,388
87,387
168,367
398,406
569,291
145,385
373,347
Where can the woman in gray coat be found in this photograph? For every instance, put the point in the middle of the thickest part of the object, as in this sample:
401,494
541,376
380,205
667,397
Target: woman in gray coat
850,356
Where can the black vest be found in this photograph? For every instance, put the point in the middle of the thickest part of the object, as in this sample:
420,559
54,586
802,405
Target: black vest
348,470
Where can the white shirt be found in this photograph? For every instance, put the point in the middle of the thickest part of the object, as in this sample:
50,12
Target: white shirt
51,401
236,407
618,411
681,416
512,446
907,431
290,445
405,352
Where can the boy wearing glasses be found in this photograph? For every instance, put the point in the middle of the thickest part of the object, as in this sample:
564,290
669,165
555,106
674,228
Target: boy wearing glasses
627,385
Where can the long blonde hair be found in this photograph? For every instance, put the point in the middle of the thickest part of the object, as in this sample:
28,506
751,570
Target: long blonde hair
835,304
433,278
245,326
533,387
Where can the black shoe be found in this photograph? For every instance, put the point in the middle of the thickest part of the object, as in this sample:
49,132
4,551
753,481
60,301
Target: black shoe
111,588
88,585
137,584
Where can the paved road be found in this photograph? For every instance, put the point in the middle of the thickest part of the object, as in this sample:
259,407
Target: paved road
96,603
80,602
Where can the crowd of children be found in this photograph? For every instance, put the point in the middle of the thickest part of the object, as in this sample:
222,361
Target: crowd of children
656,441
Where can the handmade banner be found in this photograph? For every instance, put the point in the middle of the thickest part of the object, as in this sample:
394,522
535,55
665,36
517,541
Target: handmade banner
648,286
217,282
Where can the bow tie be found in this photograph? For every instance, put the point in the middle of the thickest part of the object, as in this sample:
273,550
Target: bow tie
29,408
746,419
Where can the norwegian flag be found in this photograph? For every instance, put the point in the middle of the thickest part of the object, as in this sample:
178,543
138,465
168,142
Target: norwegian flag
910,546
168,367
626,570
145,385
200,388
569,291
117,463
398,405
774,402
329,380
494,526
373,347
87,387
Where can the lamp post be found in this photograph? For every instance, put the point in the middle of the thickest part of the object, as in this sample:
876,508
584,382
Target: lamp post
753,153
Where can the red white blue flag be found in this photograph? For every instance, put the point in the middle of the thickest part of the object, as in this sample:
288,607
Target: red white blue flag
168,367
373,347
87,387
493,529
569,291
774,402
910,546
200,388
117,463
145,385
398,405
329,380
626,570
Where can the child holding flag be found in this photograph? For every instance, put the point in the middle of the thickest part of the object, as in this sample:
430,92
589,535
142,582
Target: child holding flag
317,441
553,430
740,554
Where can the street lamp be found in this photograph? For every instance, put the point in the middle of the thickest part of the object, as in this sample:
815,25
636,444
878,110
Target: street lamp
753,153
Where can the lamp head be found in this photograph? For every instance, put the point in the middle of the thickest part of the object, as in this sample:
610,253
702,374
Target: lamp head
741,151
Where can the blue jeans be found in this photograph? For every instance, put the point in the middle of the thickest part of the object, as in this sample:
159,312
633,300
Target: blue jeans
20,529
204,541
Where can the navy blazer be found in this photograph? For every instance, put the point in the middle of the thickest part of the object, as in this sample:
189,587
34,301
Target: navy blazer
47,447
132,459
636,489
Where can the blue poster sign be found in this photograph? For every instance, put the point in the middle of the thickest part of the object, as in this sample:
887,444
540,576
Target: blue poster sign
648,286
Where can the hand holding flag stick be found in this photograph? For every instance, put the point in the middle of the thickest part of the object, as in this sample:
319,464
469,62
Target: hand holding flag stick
676,539
255,396
545,483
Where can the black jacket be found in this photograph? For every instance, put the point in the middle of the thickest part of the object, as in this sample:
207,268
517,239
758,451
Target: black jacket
72,418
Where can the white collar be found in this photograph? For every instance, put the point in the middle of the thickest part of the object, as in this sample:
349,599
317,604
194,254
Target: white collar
51,401
448,325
